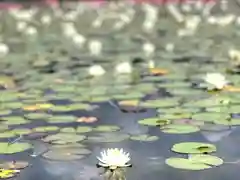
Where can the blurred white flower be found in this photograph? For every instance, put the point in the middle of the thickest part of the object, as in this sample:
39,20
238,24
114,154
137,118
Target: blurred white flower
46,19
234,54
95,47
148,49
31,30
123,68
96,70
113,158
226,20
71,16
186,7
21,26
169,47
24,15
151,64
192,22
216,79
79,39
69,29
212,20
4,49
176,14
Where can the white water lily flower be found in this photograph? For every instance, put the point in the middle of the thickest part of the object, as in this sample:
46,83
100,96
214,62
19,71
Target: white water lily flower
21,25
95,47
31,30
124,68
4,49
79,39
148,49
46,19
96,70
114,158
216,79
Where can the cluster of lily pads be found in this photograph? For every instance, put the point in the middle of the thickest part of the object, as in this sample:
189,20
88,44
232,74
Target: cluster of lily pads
198,157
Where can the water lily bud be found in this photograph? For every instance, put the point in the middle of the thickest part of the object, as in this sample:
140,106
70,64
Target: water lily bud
68,29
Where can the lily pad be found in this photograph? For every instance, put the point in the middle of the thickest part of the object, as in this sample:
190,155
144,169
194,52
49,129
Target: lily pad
228,122
68,130
167,102
179,129
7,134
210,116
46,129
15,120
84,129
37,116
6,148
14,165
106,128
193,148
66,154
144,137
8,173
107,137
194,162
64,138
154,122
61,119
4,112
21,131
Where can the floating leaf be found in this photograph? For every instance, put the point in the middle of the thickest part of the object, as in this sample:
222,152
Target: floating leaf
61,119
68,130
206,159
228,122
6,148
4,112
66,154
64,138
7,134
210,116
46,129
36,107
166,102
21,131
129,103
181,163
193,148
84,129
154,122
107,137
179,129
15,120
144,137
14,165
37,116
106,128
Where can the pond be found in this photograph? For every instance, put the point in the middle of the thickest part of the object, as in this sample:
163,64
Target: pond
160,82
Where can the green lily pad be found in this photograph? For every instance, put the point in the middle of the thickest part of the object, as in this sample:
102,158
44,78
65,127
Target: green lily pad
167,102
64,138
21,131
144,137
107,137
178,110
84,129
218,109
154,122
228,122
14,165
46,129
97,99
193,148
106,128
15,120
37,116
176,116
7,134
195,162
61,119
66,154
68,130
179,129
210,116
4,112
6,148
3,127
